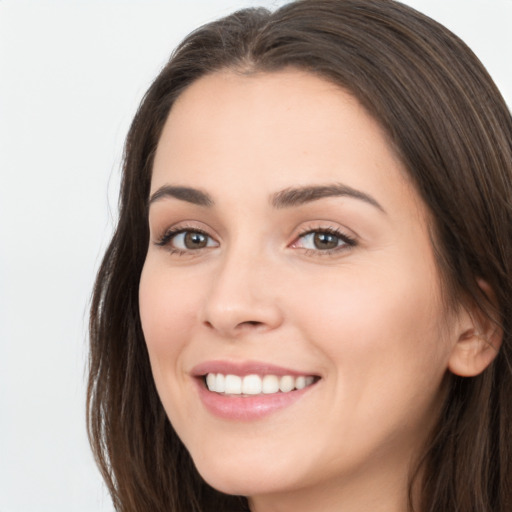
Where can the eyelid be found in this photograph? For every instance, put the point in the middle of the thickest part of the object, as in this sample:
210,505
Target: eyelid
167,235
348,241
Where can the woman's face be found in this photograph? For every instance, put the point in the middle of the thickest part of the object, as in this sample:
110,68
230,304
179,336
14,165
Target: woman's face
288,249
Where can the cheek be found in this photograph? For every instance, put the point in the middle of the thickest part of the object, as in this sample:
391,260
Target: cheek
168,313
367,309
387,355
380,330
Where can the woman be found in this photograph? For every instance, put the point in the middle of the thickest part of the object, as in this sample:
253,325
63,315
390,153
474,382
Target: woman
305,305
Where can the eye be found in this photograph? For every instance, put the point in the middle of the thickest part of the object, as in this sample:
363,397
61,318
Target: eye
184,240
324,240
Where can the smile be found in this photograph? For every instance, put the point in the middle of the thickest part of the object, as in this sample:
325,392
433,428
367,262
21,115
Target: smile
254,384
250,390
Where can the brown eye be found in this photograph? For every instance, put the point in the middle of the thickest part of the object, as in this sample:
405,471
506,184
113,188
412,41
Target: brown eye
325,241
187,240
195,240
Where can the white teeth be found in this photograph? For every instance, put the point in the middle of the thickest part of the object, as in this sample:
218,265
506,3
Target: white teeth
300,382
251,385
233,385
270,384
210,381
255,384
220,383
286,383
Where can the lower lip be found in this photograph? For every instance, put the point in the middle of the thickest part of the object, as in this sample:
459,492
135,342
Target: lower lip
247,408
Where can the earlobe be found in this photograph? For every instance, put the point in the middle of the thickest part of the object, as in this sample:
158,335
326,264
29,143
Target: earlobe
479,340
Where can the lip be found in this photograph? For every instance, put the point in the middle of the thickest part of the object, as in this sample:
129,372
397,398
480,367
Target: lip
244,368
246,408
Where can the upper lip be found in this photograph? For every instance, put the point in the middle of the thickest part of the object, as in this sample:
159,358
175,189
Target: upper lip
242,368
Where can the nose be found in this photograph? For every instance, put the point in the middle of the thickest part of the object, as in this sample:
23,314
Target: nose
242,298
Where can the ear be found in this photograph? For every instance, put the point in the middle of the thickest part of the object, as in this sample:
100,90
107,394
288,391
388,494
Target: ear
479,339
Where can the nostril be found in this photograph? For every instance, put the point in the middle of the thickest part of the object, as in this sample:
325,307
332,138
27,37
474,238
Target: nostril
239,328
249,324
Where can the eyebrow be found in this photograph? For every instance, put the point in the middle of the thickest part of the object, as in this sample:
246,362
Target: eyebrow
188,194
290,197
287,198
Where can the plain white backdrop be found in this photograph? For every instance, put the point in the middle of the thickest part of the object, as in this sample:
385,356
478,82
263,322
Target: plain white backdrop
71,76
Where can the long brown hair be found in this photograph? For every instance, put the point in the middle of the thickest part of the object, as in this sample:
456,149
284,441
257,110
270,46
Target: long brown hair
447,122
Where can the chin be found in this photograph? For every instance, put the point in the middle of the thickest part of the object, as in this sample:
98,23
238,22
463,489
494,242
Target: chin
242,478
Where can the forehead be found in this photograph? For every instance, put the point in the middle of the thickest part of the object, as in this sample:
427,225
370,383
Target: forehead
272,131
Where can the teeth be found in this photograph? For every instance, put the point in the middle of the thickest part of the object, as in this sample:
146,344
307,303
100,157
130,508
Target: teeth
270,384
251,385
286,383
220,383
210,381
255,384
233,385
300,382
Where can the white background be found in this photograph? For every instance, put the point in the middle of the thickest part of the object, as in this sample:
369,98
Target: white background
71,76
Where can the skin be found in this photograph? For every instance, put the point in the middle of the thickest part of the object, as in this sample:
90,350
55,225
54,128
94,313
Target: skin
368,318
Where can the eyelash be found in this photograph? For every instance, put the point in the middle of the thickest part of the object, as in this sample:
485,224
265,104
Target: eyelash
347,241
170,234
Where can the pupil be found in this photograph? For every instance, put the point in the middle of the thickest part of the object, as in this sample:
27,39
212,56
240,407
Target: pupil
195,240
325,241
